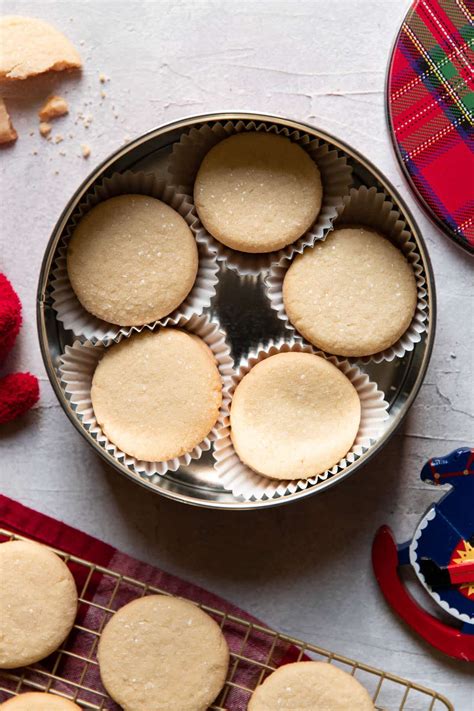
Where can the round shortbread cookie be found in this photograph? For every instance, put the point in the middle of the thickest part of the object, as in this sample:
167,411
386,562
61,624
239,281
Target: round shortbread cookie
38,603
310,686
157,395
257,192
352,295
161,653
131,260
38,701
29,46
293,416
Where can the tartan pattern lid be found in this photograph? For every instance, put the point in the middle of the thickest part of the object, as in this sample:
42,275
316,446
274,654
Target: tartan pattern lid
430,100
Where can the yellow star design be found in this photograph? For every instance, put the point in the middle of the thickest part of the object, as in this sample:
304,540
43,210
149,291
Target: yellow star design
465,554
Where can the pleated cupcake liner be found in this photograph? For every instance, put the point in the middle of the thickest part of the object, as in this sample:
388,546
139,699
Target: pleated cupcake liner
371,208
336,177
242,481
70,312
76,369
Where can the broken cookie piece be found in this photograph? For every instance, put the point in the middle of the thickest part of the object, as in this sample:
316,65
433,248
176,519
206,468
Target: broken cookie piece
45,129
7,132
54,107
29,46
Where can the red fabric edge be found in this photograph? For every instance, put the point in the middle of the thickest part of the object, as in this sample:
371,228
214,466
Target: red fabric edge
44,529
22,520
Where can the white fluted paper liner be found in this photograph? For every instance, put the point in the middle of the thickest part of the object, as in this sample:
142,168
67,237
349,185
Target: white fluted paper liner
336,176
241,480
370,207
70,311
76,369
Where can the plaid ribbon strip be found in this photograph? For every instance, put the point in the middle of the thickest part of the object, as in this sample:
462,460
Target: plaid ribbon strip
430,96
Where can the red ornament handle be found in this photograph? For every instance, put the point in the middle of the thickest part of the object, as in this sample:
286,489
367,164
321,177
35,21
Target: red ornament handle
447,639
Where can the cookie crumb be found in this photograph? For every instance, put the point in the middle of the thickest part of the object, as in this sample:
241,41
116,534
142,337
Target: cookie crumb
45,129
62,153
86,151
58,138
87,120
7,131
103,94
54,107
102,78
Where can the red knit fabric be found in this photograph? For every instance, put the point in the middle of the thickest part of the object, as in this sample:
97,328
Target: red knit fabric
18,392
10,317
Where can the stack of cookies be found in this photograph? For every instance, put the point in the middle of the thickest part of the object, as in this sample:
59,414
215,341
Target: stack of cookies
245,194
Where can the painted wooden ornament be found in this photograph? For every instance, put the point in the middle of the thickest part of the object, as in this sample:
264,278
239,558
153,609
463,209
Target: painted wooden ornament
441,553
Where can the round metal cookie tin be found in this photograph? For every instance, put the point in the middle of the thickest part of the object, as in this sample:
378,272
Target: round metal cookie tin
242,308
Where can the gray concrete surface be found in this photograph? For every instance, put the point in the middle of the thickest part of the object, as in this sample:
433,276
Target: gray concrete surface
304,569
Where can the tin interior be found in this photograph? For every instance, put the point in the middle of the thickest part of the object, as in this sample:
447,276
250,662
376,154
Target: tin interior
243,310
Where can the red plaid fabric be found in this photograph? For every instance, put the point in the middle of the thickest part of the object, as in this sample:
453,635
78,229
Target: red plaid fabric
37,526
430,98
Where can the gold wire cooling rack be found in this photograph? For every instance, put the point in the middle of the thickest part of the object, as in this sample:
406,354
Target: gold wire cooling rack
72,671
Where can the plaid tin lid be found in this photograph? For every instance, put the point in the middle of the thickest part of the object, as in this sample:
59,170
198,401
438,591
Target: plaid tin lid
430,107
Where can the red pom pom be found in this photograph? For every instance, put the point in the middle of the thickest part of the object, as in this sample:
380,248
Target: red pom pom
10,316
18,392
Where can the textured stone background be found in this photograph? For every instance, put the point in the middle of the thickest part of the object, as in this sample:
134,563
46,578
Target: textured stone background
304,569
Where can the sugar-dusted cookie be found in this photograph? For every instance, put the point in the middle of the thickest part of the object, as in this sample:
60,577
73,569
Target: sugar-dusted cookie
29,46
257,192
160,653
132,259
353,294
38,603
157,395
38,701
294,415
310,686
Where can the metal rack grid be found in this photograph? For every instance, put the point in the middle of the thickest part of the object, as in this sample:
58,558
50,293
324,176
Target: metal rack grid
255,651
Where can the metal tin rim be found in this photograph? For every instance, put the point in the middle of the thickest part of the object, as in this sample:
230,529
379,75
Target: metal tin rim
185,123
